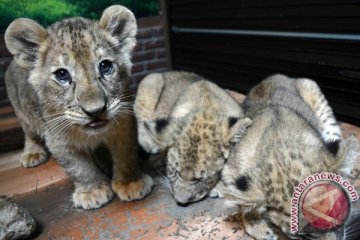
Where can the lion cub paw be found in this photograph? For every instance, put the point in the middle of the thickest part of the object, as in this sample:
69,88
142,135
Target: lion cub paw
33,159
94,198
217,191
260,230
133,190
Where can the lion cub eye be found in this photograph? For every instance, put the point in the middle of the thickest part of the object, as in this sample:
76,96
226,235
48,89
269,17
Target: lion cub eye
105,67
62,76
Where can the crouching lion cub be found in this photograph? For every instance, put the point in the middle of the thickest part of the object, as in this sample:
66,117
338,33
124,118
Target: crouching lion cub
293,136
194,120
68,86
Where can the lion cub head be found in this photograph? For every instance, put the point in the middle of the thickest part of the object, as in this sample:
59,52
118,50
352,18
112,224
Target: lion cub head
198,145
79,68
198,153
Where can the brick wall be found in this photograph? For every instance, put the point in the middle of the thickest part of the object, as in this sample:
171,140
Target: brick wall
149,55
5,59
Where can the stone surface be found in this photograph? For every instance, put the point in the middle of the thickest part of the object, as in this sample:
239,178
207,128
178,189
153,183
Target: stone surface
46,192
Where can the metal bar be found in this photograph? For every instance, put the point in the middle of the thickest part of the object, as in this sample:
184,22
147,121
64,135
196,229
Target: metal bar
329,36
164,5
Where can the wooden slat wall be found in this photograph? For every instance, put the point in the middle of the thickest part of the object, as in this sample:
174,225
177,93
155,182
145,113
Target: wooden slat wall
239,62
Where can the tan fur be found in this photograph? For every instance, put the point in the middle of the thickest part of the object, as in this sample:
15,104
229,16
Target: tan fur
62,114
196,130
283,146
157,95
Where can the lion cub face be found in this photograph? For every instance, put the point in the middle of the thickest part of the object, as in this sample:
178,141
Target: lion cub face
199,152
79,68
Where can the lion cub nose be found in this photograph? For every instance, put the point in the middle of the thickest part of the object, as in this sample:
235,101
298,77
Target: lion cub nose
94,111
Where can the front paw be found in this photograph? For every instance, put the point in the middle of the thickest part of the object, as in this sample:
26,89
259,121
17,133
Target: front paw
94,198
133,190
33,159
260,230
217,191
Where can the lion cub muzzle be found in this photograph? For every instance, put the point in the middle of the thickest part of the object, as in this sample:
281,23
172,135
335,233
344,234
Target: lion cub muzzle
93,102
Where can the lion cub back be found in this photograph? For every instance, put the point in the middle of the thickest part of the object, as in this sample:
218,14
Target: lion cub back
158,93
156,97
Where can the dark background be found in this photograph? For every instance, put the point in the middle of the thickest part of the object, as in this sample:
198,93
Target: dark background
239,62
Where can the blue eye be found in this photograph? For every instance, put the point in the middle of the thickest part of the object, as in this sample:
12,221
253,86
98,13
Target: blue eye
62,76
105,67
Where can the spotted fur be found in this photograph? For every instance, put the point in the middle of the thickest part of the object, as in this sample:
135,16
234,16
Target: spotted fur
328,126
284,145
201,121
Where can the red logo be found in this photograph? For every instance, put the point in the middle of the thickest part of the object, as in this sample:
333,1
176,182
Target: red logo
325,206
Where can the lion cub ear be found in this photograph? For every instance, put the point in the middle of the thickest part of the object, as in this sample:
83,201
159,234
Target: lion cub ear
23,38
235,129
159,132
121,23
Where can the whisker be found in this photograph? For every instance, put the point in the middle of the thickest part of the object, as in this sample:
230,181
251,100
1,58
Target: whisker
115,119
125,109
59,126
123,115
167,180
66,124
109,48
164,177
57,129
52,115
70,129
65,129
54,121
126,94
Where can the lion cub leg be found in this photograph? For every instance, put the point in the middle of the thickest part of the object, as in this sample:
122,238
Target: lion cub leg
128,182
34,152
312,95
258,228
92,187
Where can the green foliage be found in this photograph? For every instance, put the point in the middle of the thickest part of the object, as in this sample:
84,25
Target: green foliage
49,11
141,8
44,11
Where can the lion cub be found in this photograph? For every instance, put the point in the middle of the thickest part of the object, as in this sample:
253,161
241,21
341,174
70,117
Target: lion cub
68,86
194,120
294,135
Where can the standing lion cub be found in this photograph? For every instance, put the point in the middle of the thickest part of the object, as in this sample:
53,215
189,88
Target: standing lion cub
68,86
